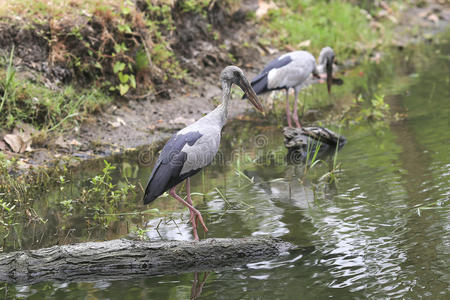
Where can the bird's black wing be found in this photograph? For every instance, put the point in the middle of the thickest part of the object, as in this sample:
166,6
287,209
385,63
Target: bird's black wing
260,82
166,172
277,63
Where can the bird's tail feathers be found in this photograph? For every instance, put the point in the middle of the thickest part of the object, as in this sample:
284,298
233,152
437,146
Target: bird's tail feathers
149,196
154,189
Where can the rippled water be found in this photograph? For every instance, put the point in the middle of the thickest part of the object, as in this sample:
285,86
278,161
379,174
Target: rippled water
381,231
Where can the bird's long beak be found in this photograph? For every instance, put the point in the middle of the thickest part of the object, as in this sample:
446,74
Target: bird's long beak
250,93
329,67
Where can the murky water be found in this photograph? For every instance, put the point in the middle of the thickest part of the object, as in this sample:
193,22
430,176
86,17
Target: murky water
380,231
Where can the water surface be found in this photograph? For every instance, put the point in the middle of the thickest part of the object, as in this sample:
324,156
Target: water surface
380,231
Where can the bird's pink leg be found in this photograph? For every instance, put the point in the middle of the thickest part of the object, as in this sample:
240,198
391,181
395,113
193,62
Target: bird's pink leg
288,113
193,216
196,212
295,113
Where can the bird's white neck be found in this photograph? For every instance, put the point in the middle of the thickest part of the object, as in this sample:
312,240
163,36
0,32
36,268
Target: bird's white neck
222,109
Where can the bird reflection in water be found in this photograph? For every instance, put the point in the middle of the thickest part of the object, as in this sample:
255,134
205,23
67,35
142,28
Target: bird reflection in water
197,285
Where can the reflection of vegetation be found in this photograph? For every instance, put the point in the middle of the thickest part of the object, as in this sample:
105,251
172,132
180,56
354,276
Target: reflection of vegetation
19,196
102,198
376,111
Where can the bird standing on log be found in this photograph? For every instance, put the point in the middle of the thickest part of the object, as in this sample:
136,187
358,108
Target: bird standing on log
291,70
194,147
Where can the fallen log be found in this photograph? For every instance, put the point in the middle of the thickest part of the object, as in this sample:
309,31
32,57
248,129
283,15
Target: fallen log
303,141
123,259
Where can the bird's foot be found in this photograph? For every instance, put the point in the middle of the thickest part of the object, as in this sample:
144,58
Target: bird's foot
195,217
194,221
199,216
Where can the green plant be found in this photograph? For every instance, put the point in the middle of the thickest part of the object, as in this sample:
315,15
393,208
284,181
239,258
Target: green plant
32,102
126,80
196,6
7,212
8,84
378,109
313,148
103,188
68,206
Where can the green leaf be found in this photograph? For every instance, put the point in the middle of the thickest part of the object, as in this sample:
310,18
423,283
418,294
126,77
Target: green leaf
118,66
132,81
123,77
124,28
118,48
123,89
126,10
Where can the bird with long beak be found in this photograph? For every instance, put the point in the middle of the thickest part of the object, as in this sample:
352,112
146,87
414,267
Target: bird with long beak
194,147
293,70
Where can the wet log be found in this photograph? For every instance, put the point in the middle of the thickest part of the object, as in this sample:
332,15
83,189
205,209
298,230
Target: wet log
124,259
300,141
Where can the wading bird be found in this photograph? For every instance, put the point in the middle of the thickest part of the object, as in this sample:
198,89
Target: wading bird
291,70
194,147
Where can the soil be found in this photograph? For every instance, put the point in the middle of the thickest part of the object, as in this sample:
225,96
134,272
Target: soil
132,122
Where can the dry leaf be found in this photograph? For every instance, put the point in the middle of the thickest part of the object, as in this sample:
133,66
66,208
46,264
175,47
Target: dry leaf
61,143
74,142
14,142
423,14
119,122
304,44
24,131
386,7
376,58
263,8
289,48
433,18
393,19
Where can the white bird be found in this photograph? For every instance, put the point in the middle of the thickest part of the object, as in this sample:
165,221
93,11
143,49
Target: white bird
194,147
291,70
